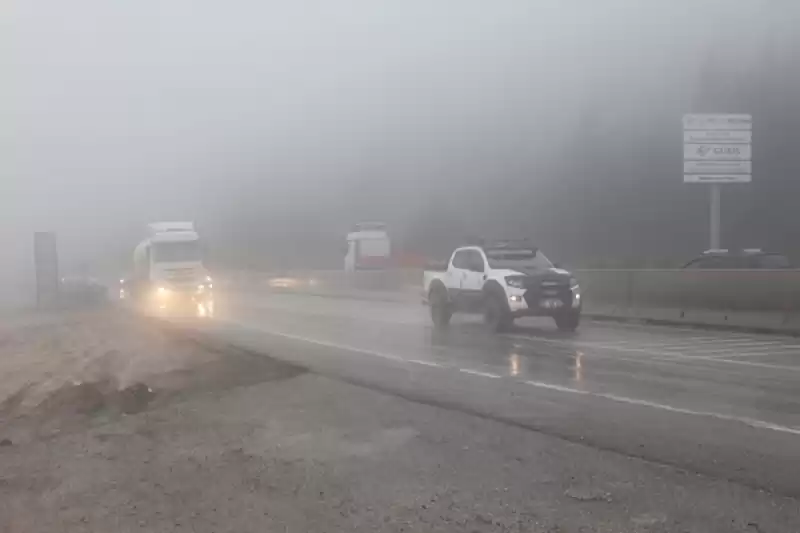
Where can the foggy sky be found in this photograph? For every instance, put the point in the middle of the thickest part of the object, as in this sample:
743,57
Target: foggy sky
248,115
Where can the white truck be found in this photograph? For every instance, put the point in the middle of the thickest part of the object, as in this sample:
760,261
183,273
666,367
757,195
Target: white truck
504,281
368,247
168,271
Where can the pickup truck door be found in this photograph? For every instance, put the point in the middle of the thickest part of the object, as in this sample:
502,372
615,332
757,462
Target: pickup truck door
456,274
473,280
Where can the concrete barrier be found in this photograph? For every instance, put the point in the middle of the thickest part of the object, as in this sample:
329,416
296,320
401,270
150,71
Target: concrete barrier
758,299
386,285
755,299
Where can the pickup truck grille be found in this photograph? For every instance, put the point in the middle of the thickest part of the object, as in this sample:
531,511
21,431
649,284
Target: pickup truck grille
548,290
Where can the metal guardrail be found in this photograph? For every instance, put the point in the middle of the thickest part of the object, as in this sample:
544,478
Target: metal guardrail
763,299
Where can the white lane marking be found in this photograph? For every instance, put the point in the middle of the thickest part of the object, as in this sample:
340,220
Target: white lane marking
426,363
776,349
711,352
765,348
358,313
752,422
667,328
755,423
702,344
612,345
329,344
479,373
660,356
723,356
673,340
603,345
744,342
671,347
665,356
695,340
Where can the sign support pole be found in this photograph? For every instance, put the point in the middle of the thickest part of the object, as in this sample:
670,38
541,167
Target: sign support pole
716,193
717,150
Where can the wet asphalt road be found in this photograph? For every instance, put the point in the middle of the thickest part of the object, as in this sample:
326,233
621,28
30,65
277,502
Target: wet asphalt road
719,404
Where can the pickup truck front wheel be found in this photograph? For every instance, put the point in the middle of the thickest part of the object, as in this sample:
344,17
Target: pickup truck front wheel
441,310
496,314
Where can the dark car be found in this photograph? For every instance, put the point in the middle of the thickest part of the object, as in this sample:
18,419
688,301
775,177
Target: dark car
749,259
82,291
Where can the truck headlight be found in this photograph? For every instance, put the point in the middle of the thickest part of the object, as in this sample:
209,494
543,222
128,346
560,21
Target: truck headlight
162,291
517,282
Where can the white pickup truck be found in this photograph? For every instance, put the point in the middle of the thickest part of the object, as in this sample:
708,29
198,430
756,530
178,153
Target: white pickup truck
503,281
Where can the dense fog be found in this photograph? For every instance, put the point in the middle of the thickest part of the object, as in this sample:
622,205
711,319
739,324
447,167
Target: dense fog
277,125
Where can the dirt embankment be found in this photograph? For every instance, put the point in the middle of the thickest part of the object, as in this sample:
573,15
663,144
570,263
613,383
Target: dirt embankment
59,368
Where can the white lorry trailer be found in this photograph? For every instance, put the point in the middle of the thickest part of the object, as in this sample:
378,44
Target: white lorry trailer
168,271
368,247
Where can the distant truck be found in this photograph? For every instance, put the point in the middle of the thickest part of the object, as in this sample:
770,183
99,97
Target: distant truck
168,271
368,247
504,281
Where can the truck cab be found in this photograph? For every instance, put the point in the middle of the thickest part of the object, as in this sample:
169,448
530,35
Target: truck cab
168,269
504,281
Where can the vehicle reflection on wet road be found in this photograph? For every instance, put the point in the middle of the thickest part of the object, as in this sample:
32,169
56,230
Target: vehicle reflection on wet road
721,403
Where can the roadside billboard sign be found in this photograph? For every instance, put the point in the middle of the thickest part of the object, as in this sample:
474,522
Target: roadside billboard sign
717,167
716,152
717,178
718,136
717,149
705,121
717,145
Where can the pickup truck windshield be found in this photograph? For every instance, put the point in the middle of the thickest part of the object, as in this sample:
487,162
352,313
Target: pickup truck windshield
517,259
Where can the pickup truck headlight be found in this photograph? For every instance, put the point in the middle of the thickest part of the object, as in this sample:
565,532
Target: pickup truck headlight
517,282
576,290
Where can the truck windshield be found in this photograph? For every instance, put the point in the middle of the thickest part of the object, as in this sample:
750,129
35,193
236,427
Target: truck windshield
517,259
176,252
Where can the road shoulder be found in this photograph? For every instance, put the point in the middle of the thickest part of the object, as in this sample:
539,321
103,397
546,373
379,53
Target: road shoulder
248,444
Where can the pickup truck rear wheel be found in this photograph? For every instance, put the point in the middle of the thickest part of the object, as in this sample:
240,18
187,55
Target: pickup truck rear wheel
496,314
568,320
441,310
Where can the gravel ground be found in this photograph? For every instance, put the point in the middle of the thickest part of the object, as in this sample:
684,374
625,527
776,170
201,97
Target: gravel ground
164,434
